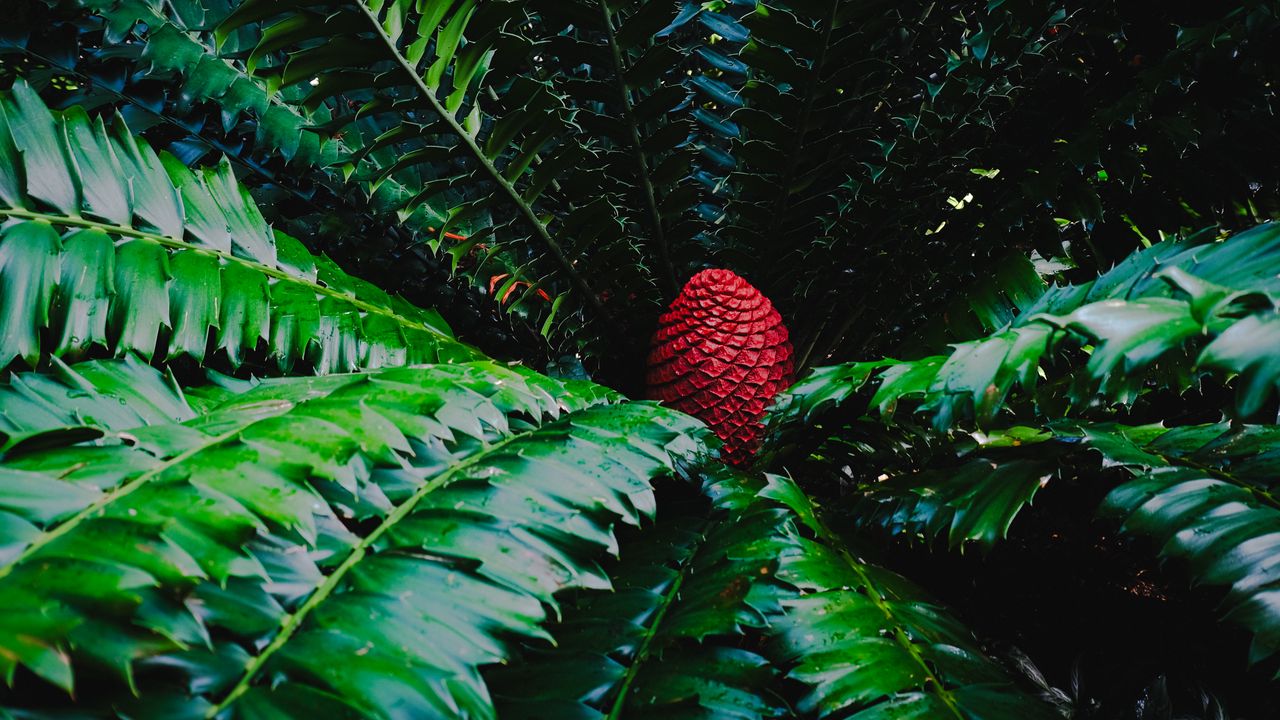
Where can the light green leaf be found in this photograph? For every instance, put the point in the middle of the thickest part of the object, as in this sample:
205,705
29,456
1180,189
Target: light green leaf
28,271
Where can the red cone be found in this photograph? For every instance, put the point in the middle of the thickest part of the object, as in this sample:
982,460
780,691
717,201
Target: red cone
721,354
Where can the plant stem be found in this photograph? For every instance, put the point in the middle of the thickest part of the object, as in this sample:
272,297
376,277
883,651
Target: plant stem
668,274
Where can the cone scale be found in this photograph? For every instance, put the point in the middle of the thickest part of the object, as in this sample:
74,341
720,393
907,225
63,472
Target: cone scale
721,354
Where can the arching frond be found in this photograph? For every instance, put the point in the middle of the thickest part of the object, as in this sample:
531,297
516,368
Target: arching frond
1180,308
418,75
106,244
763,572
302,547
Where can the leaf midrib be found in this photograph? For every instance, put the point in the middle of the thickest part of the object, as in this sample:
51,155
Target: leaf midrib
48,536
498,179
938,687
637,148
669,599
292,622
166,241
782,204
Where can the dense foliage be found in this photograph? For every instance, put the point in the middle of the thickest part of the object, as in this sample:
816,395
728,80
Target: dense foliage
227,550
966,441
248,470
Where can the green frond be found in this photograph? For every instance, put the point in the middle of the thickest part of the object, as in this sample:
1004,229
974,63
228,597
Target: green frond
1161,321
625,79
670,639
975,501
1180,307
195,100
86,401
867,641
990,304
172,42
431,62
762,570
303,546
106,244
1205,495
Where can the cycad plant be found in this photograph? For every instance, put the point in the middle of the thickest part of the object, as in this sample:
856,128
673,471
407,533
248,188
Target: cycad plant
248,469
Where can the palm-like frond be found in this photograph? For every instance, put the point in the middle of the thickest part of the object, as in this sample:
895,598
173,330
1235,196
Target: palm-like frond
669,639
85,402
989,304
975,501
1162,320
306,522
159,68
1205,495
1180,307
1202,493
409,70
618,65
108,245
120,54
860,639
866,640
642,168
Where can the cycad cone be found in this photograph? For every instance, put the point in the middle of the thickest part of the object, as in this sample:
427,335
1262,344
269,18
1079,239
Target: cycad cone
721,354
